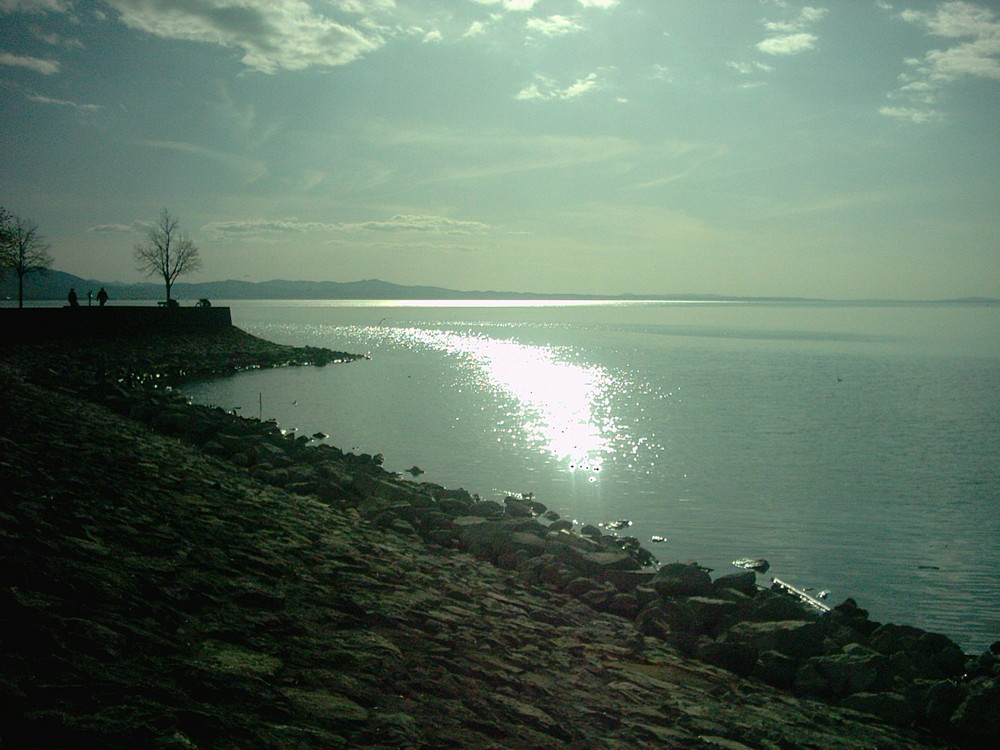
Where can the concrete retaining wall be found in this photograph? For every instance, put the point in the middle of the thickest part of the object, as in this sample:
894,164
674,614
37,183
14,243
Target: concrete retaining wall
43,323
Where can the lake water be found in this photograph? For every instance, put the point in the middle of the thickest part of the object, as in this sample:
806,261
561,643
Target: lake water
855,447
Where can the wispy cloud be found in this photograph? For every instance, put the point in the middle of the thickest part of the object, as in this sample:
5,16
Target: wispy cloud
973,32
251,169
289,35
911,114
64,103
422,223
787,36
544,88
787,44
259,227
133,228
746,69
45,67
457,154
790,36
33,6
553,26
417,223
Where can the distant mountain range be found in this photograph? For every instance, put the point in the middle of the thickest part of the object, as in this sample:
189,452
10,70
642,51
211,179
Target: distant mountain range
55,285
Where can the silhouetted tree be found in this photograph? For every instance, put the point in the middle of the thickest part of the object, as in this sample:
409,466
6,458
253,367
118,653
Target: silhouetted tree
6,227
167,253
24,251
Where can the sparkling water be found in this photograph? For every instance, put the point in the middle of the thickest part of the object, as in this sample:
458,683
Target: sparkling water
855,447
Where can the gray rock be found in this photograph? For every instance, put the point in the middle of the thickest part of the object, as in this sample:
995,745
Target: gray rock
744,581
848,673
486,508
889,707
734,657
795,638
514,506
775,669
580,586
681,579
979,714
710,613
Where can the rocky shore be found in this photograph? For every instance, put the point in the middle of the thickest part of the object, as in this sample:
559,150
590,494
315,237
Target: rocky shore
174,576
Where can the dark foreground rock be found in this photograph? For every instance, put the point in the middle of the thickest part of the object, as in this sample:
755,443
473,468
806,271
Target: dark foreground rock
173,576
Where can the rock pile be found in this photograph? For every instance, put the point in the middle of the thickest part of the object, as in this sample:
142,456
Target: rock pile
201,579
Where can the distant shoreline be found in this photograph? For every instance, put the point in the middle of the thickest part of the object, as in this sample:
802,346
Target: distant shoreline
54,286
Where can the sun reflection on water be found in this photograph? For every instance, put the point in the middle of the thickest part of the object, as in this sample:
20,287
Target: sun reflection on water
561,406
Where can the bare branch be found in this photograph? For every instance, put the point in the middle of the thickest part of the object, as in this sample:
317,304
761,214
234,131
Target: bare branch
167,253
23,251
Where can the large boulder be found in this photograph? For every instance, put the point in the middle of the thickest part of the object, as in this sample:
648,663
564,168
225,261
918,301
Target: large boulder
734,657
712,615
836,676
593,564
925,655
745,582
889,707
979,714
682,579
799,639
775,669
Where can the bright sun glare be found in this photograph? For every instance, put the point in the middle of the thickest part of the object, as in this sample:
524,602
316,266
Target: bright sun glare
557,401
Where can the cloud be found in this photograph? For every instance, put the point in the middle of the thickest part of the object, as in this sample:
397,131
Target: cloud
45,67
288,35
457,154
364,6
553,26
34,6
64,103
476,28
911,114
411,223
748,68
788,44
792,34
250,227
399,223
974,53
510,4
598,3
133,228
545,89
250,169
55,39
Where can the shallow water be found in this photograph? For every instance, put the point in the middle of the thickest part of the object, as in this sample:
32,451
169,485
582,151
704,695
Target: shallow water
854,447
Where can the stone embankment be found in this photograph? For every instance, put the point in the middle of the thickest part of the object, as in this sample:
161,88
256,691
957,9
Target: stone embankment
176,576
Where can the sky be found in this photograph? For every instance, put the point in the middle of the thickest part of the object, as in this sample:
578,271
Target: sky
840,149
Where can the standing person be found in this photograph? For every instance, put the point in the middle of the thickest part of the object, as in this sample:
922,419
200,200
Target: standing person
90,297
73,302
102,297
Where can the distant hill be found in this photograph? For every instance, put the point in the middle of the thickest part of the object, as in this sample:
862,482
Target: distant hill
54,285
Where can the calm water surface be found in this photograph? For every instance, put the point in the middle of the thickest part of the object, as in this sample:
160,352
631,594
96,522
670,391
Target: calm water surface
854,447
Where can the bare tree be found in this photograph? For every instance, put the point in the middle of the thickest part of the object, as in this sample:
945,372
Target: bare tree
24,251
6,235
167,253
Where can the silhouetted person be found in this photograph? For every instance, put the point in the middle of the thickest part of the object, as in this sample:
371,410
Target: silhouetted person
73,302
102,297
90,297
